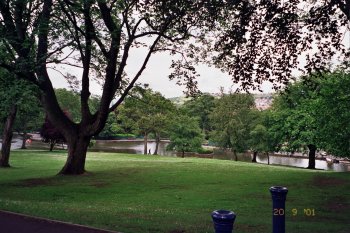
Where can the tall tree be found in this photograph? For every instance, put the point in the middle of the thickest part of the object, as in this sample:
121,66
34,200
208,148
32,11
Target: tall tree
315,114
258,136
29,118
332,113
232,119
16,96
151,113
185,134
295,120
245,37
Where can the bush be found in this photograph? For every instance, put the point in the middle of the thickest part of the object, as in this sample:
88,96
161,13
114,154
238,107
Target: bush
204,151
92,143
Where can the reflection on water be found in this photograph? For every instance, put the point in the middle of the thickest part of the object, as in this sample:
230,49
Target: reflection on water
133,147
136,147
283,160
16,143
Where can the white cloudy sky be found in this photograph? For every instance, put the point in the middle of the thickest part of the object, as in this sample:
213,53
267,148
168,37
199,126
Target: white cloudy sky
156,75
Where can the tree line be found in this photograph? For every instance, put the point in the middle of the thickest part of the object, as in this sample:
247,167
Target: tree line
307,115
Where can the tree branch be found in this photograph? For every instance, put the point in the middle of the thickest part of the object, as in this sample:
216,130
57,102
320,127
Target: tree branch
132,83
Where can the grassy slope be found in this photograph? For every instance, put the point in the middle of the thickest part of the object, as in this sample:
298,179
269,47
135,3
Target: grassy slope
137,193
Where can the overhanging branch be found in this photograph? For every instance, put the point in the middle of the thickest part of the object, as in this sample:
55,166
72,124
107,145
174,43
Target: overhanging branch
132,83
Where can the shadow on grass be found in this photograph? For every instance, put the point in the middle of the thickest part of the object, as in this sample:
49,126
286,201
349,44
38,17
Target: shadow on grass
36,182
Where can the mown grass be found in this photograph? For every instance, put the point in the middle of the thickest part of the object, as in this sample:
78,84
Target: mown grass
137,193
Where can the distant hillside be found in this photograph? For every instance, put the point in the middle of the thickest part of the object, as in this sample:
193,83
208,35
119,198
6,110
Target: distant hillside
178,101
262,101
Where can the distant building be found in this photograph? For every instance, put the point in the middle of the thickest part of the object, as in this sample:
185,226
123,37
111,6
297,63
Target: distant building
263,101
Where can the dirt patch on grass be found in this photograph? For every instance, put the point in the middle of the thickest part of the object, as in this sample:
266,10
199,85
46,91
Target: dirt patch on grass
337,204
171,186
34,182
177,231
324,181
250,228
99,184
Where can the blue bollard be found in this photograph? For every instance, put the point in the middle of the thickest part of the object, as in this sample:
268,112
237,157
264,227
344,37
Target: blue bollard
279,195
223,221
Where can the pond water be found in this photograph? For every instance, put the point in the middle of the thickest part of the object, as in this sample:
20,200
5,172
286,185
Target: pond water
136,147
133,147
286,161
16,143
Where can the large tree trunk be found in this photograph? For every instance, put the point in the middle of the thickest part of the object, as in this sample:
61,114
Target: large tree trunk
157,144
255,153
312,156
145,139
77,149
7,137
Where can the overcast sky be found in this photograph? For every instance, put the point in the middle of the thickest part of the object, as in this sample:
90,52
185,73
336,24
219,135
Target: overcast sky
156,75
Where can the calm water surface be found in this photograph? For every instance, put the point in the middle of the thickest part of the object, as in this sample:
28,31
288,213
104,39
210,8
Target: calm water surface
136,147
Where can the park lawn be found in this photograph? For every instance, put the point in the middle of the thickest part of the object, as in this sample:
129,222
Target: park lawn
146,193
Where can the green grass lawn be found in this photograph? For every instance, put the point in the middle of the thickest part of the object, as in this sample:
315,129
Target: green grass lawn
137,193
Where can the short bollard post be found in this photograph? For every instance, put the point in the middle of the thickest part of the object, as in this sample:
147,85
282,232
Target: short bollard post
223,221
279,195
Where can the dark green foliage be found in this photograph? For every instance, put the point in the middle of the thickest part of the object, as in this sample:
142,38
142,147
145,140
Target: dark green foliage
69,101
112,128
295,117
314,113
24,96
204,151
232,119
332,113
149,111
185,134
201,106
